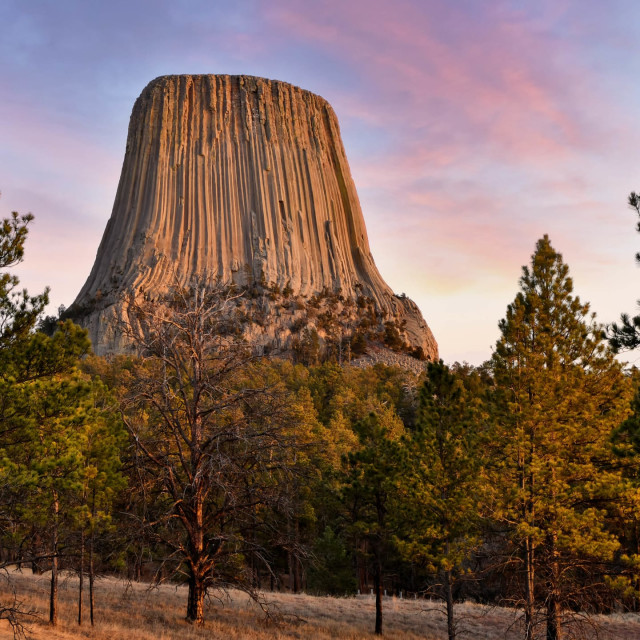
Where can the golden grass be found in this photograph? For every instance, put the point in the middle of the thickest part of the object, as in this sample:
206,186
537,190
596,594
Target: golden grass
135,611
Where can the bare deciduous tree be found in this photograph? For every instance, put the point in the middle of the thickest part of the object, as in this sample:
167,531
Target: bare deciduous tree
214,433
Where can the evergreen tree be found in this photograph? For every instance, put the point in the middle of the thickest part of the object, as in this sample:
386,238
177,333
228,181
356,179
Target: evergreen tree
103,441
442,482
626,335
369,491
63,471
560,394
26,355
344,398
29,365
626,437
332,571
19,311
626,516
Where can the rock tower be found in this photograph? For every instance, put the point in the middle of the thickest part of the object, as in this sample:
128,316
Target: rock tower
243,179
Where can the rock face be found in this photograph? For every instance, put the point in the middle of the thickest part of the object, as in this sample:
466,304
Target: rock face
244,179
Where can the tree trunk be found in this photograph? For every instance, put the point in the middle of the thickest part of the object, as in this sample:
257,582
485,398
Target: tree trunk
292,559
296,574
53,594
380,510
377,584
553,617
91,577
529,605
361,566
81,577
296,560
554,631
37,549
528,484
448,591
195,604
637,578
291,569
553,596
91,543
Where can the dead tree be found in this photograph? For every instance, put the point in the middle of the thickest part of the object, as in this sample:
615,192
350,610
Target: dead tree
214,432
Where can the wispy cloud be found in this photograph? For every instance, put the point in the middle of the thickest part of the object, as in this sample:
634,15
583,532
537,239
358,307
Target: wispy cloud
471,127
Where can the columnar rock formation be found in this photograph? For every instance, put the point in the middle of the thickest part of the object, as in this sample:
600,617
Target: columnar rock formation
240,178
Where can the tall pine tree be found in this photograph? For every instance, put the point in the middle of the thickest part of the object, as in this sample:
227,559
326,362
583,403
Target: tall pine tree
30,364
560,394
369,492
442,482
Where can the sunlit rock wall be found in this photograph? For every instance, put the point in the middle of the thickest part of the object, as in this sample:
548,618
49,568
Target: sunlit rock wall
241,178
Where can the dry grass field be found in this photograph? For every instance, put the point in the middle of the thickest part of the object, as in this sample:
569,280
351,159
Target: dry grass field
134,611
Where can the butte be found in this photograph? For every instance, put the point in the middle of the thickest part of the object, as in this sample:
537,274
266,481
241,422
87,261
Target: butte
244,180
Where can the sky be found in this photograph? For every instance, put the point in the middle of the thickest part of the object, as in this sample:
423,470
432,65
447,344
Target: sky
472,128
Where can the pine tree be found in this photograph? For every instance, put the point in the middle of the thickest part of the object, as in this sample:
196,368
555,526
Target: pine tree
626,335
26,355
29,364
19,311
442,482
369,490
65,468
103,443
560,394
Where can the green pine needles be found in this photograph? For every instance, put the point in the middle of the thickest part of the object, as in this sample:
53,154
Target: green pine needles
559,395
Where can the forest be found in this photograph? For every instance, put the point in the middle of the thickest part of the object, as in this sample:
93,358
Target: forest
196,460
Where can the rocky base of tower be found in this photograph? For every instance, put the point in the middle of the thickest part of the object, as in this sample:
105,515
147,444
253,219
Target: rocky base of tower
309,329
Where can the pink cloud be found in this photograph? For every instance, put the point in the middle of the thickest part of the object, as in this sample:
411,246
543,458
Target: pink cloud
440,70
